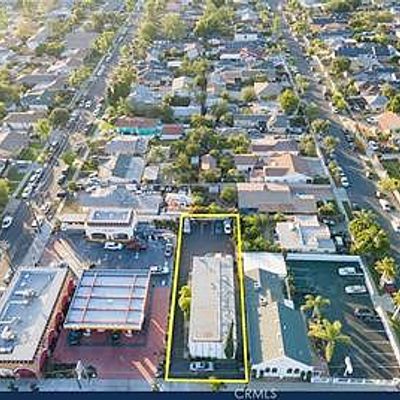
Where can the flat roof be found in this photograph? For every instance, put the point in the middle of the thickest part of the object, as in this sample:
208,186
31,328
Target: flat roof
25,309
213,298
109,215
109,299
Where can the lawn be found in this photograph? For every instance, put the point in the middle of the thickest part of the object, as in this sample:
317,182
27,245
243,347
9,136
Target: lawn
392,167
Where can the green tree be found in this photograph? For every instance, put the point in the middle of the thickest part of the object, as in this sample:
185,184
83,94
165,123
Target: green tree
307,146
59,117
388,90
130,5
396,302
229,195
330,333
69,157
248,94
79,75
42,128
340,65
387,269
288,101
330,143
185,299
3,19
394,104
388,185
173,27
315,304
4,192
320,126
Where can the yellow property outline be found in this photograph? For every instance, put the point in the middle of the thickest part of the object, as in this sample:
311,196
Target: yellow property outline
174,296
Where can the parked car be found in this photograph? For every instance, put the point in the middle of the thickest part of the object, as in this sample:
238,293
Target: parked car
159,270
136,244
168,249
201,366
366,314
218,227
7,222
349,271
355,289
186,225
386,206
344,181
113,246
396,224
227,227
8,276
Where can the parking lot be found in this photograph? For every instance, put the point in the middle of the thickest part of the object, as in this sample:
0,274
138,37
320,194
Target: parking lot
370,351
205,237
81,254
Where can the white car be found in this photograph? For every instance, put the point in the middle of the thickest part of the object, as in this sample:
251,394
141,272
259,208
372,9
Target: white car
348,271
159,270
227,227
201,366
113,246
355,289
344,181
385,205
373,145
168,249
395,224
7,221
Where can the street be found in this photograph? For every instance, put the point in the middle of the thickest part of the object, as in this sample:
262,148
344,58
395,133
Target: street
361,190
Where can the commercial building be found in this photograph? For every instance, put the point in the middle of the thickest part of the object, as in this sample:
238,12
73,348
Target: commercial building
278,341
109,300
110,224
31,312
212,328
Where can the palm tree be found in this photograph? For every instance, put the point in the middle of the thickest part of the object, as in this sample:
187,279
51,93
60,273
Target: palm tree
396,301
316,304
386,268
330,333
185,298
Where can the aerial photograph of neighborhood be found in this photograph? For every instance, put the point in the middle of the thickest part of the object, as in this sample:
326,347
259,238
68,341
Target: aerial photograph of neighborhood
200,196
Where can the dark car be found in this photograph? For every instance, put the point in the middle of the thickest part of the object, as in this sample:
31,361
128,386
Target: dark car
74,338
366,314
62,194
218,227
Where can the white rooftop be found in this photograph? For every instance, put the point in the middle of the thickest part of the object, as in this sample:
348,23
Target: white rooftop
213,299
25,309
271,262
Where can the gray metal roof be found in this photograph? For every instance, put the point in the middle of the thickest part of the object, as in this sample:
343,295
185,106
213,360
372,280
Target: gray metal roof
275,329
109,299
25,310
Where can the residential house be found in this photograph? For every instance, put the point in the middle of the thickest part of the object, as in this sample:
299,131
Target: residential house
376,103
273,198
304,233
289,168
270,145
208,162
389,122
172,132
143,97
23,121
267,90
38,38
131,145
182,86
278,124
138,126
80,40
245,162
